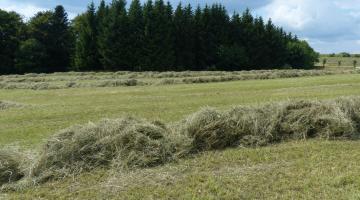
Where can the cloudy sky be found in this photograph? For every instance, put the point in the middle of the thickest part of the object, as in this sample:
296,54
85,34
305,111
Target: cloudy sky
328,25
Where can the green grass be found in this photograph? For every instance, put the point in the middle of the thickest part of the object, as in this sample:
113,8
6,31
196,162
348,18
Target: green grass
314,169
297,170
333,62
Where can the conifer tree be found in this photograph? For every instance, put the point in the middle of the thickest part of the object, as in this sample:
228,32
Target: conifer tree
136,36
184,37
114,44
86,54
59,47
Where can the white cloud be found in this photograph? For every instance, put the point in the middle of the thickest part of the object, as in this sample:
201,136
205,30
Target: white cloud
335,23
25,9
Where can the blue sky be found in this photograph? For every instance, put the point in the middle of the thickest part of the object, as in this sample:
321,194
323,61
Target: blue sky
328,25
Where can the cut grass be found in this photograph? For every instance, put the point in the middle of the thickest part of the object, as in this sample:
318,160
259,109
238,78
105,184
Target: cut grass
125,79
10,167
7,105
295,170
317,169
130,143
54,110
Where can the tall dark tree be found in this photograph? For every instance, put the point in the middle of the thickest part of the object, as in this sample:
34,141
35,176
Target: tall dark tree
60,42
11,29
199,41
34,53
86,54
113,41
136,36
184,37
147,37
159,36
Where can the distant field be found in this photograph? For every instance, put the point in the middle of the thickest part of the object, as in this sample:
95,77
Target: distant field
127,79
345,62
307,170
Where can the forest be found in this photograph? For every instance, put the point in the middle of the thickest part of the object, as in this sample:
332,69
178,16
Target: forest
154,36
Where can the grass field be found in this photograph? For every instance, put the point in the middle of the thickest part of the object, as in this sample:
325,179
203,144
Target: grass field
295,170
339,62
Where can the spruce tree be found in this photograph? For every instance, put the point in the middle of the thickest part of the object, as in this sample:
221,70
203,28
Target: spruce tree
184,37
114,43
59,48
86,54
136,36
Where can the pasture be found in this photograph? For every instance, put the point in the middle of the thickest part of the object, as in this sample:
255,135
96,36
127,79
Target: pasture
38,106
339,62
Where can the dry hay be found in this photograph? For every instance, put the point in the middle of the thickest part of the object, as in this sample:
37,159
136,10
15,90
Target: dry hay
4,105
9,167
130,143
123,143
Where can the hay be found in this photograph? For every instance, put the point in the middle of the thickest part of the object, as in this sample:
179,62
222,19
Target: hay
125,143
7,105
310,119
65,80
258,126
209,130
130,143
9,167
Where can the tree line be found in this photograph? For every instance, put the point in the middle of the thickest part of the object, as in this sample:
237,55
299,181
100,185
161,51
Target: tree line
152,36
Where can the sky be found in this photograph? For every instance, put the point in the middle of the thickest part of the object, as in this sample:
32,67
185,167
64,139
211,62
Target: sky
330,26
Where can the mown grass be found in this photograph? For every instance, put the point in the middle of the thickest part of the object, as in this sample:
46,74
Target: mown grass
53,110
292,170
345,62
296,170
126,79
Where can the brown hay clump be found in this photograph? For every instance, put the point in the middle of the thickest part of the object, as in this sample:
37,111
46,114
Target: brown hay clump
125,143
9,167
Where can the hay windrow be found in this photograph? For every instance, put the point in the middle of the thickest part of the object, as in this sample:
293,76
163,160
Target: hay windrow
127,79
9,167
4,105
129,143
123,143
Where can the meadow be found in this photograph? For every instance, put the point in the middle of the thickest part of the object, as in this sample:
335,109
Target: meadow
312,169
339,62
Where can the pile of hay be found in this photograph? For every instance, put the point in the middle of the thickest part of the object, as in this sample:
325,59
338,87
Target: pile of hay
7,104
210,129
123,143
9,167
135,143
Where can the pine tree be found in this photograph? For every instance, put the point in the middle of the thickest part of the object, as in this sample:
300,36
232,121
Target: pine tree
136,37
184,37
114,43
86,55
148,37
159,38
59,48
200,43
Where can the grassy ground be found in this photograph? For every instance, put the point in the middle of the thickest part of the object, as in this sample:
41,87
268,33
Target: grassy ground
302,170
312,169
333,62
